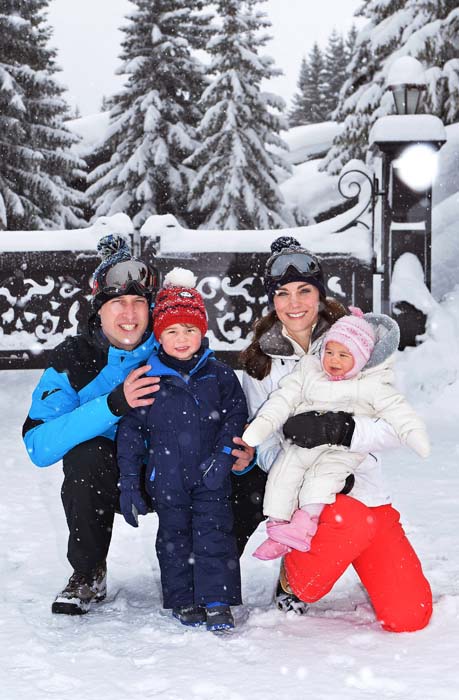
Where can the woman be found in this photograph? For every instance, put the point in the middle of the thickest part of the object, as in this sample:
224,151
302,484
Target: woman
361,528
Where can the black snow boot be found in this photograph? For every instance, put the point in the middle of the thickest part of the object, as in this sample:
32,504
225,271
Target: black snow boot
81,591
190,615
219,617
288,601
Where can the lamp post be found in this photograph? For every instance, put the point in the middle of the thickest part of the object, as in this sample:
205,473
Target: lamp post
406,81
408,145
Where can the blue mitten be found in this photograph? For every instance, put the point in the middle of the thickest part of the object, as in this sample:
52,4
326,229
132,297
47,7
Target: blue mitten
216,468
132,502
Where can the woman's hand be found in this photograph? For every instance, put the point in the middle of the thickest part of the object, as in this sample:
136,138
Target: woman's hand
244,455
313,428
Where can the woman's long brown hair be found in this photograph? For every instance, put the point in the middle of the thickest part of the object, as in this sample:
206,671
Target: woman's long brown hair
256,363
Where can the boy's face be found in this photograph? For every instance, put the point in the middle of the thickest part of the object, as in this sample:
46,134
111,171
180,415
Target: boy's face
337,361
182,340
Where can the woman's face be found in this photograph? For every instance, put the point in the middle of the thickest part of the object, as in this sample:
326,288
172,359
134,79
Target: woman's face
297,306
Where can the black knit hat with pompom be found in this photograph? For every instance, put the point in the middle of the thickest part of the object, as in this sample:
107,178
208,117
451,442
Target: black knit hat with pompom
113,249
283,246
284,242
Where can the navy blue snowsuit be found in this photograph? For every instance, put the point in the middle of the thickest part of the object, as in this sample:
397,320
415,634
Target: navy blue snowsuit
186,439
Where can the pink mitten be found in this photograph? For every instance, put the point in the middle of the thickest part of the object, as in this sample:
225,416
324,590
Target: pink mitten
270,549
296,534
270,524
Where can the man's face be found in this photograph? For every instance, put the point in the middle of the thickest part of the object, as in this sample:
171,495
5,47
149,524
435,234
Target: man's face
124,320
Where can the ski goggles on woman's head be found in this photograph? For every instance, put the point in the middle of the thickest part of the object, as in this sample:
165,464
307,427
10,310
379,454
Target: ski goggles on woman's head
303,262
292,265
125,275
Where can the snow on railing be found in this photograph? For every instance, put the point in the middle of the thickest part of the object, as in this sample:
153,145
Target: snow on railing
83,239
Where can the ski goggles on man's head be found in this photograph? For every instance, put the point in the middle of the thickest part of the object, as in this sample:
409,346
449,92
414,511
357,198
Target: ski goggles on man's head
303,262
126,275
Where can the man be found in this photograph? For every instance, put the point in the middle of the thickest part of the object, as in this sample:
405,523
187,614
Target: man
93,380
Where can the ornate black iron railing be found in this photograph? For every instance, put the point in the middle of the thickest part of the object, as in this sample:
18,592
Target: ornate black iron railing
45,295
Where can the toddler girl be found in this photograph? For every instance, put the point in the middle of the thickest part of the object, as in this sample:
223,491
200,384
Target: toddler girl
353,374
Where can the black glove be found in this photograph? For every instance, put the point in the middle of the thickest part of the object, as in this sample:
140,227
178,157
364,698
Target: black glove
313,428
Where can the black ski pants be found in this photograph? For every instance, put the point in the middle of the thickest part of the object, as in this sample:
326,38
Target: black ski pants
90,497
248,491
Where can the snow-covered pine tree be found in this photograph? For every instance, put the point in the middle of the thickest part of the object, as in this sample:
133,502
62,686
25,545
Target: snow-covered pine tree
362,92
349,43
312,86
36,164
322,76
434,42
425,29
335,60
298,115
239,159
314,92
152,119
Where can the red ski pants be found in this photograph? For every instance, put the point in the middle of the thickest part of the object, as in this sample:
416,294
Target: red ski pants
373,541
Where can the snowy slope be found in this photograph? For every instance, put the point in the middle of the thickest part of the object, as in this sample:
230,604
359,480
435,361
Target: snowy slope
310,140
128,647
310,192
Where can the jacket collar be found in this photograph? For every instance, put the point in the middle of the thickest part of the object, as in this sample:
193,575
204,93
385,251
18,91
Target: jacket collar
159,369
277,344
138,354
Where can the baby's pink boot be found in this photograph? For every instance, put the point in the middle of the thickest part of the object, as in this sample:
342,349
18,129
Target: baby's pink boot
296,534
270,549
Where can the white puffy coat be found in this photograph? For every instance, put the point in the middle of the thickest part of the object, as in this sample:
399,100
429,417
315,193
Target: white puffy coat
370,434
371,392
305,476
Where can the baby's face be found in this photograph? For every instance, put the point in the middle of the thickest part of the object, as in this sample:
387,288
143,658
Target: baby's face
337,361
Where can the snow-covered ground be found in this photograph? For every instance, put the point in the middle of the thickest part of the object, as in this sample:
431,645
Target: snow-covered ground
128,647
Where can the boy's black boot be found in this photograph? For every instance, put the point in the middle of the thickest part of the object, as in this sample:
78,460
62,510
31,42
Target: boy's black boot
190,615
81,591
219,617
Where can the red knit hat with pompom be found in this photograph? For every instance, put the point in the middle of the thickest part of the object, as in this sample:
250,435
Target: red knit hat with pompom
179,302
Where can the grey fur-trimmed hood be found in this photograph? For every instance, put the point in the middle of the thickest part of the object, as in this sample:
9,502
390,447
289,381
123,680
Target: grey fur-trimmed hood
387,338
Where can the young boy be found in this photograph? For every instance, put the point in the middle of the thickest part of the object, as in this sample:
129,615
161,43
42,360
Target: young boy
353,374
185,438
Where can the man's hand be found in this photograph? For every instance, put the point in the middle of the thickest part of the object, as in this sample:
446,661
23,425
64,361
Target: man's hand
244,455
137,387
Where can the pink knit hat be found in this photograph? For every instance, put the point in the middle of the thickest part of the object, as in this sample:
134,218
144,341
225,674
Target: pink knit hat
357,335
